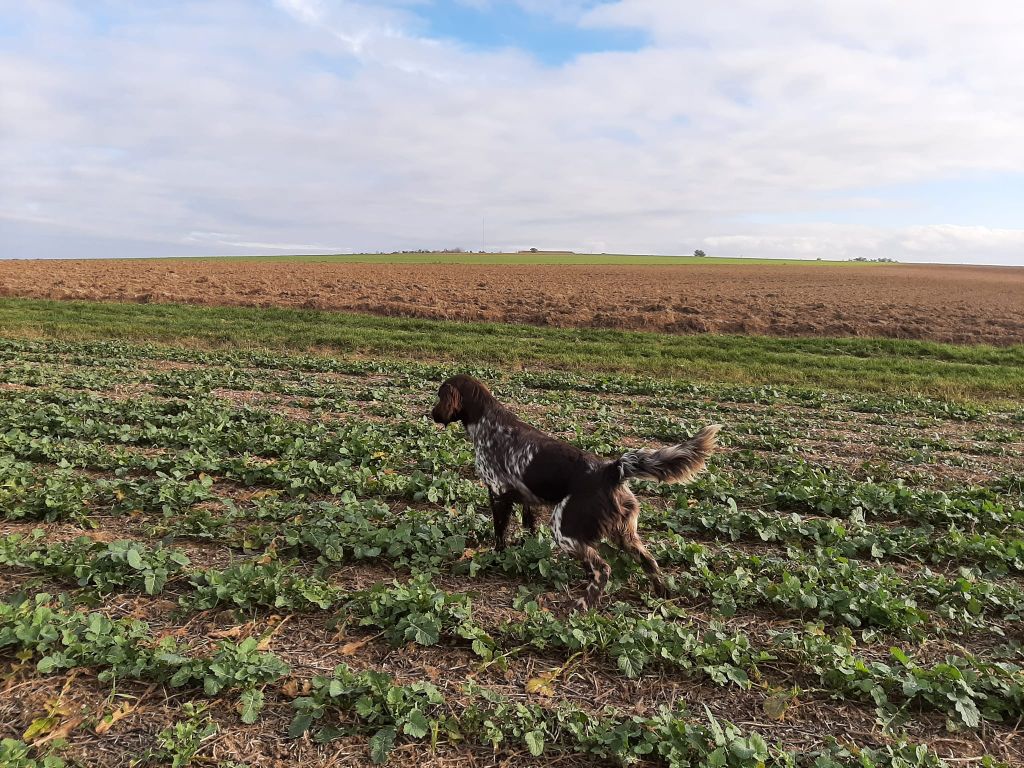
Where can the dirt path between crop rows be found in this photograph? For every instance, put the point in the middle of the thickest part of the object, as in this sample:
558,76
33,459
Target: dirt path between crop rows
942,303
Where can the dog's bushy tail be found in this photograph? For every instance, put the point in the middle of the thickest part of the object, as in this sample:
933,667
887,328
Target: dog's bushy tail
675,464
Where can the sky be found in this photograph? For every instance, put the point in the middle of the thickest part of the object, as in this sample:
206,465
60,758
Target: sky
759,128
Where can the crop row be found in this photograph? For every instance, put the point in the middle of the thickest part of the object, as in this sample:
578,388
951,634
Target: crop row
964,688
373,704
63,638
213,428
221,365
604,431
822,583
999,553
419,612
103,566
387,710
605,428
273,452
36,492
777,432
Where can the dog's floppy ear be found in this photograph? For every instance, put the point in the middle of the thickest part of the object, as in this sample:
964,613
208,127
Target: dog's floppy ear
449,403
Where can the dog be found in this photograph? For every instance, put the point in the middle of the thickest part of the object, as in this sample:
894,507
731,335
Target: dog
589,494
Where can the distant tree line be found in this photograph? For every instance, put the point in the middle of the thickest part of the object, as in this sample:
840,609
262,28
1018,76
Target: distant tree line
425,250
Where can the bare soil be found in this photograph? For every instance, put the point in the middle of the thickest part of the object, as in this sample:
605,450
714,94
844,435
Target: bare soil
962,304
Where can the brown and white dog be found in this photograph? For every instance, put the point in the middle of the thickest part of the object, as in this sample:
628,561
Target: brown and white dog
590,496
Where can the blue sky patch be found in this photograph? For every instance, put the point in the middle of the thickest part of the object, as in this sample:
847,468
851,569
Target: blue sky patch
503,24
981,199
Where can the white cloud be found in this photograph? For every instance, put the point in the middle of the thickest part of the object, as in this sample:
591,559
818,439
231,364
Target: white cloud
932,243
316,121
231,240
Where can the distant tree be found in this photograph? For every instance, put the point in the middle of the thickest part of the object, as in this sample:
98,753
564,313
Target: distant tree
699,253
533,250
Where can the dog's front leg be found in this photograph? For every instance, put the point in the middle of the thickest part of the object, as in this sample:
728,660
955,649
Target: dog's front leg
501,510
529,519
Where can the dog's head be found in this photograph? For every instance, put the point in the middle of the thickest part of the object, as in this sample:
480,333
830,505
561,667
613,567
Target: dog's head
460,398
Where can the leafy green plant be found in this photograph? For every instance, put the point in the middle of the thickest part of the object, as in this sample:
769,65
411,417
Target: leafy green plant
379,706
179,743
17,754
69,639
105,566
418,611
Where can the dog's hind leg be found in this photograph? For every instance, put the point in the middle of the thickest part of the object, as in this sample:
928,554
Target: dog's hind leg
633,545
575,530
599,570
627,538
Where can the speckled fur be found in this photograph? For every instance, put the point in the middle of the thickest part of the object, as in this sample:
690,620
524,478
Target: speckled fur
589,494
502,456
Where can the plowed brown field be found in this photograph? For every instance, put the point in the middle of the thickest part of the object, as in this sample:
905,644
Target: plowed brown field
942,303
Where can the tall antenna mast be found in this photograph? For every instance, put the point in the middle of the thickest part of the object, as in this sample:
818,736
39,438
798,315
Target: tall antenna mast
483,239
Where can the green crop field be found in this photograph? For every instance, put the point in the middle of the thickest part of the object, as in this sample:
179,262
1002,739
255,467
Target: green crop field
540,257
233,537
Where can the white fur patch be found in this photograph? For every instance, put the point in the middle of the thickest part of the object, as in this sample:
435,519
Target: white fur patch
501,457
563,542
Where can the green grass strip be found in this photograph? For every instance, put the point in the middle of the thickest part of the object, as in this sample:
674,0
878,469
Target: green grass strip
850,365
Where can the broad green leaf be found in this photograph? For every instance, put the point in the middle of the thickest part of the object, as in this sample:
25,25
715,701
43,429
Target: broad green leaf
249,705
300,724
535,742
381,744
134,559
417,725
968,711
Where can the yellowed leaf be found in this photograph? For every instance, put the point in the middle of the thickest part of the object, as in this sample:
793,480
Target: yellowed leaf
108,720
542,684
62,731
776,705
264,644
349,648
229,633
40,726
